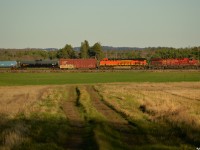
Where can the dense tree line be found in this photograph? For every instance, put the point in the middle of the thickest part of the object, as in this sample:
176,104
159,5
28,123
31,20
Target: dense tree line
97,51
164,52
27,54
158,52
67,51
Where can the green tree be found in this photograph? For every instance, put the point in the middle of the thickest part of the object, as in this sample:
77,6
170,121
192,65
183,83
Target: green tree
66,52
52,54
84,49
96,51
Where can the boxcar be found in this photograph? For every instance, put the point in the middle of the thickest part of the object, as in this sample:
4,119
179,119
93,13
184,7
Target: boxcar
77,63
8,64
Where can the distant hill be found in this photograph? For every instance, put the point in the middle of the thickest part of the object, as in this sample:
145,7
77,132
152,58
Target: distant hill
78,48
114,48
50,49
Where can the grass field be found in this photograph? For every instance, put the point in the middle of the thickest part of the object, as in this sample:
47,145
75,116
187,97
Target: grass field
105,110
100,116
100,77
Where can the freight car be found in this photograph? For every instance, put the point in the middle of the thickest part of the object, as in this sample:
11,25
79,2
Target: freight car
177,63
77,63
8,64
38,63
140,63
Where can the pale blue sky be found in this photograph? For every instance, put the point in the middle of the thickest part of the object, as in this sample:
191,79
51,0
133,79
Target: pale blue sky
136,23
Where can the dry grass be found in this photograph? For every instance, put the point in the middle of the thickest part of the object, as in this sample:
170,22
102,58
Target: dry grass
16,99
159,99
33,104
50,101
14,136
176,104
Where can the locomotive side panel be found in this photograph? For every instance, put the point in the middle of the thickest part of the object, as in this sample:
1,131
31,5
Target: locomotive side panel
123,64
173,63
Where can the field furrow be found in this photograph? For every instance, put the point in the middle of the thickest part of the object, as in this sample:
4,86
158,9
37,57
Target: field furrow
113,118
76,122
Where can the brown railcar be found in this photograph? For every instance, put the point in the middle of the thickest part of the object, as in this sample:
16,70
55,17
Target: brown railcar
77,63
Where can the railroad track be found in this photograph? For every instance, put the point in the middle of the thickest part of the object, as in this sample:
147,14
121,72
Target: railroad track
94,70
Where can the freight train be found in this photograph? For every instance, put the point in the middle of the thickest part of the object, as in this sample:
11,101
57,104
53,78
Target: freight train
141,63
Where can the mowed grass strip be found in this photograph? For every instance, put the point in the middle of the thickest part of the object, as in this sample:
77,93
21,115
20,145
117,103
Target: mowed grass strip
100,77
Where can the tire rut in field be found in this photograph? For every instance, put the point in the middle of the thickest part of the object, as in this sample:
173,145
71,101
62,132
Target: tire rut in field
115,119
77,124
184,97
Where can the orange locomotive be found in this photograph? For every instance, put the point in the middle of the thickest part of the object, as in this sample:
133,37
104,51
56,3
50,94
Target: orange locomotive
123,64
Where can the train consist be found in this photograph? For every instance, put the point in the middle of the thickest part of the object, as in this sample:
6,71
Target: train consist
156,63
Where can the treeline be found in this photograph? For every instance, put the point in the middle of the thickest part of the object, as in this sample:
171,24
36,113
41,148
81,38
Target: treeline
164,52
86,51
152,52
97,51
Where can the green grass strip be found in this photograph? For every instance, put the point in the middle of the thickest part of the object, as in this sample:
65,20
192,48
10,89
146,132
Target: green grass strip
11,79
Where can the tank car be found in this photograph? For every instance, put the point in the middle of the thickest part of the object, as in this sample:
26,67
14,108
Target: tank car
8,64
39,63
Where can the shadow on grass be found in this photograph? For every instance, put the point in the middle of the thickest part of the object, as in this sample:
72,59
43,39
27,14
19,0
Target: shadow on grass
47,133
58,134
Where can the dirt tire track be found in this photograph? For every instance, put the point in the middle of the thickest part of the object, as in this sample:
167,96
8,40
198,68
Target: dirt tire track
116,121
110,114
76,123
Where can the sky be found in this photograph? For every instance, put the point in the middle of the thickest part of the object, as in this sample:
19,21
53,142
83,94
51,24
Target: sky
127,23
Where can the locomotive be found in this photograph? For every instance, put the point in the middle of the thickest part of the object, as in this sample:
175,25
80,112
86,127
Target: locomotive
176,63
123,64
91,63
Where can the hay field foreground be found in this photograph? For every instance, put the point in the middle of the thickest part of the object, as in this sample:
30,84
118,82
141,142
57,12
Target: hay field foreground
101,116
